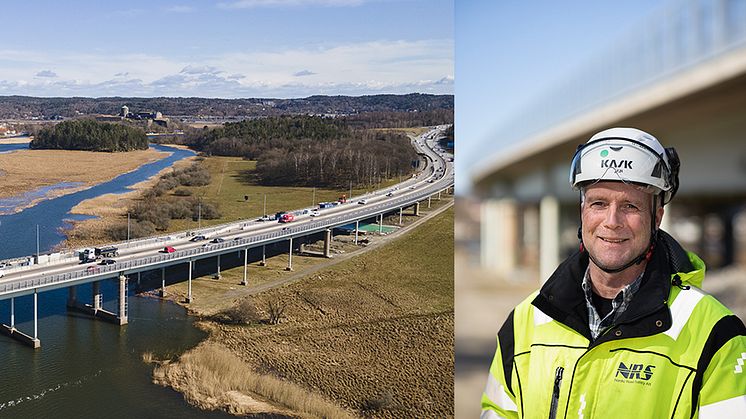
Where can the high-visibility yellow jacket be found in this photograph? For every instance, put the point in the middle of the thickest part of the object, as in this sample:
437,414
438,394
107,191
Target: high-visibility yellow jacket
675,353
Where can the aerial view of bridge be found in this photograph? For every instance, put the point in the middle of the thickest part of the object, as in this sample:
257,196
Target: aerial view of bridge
35,274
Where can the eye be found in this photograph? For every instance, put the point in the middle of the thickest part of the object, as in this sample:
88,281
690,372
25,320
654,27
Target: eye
597,204
631,207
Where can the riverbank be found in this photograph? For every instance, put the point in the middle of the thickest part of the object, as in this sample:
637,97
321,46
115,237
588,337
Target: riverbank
370,331
26,171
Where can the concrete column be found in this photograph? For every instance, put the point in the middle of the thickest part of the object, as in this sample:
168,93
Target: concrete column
189,284
218,274
12,314
72,298
36,341
245,267
138,278
96,286
548,237
122,313
264,256
357,226
380,224
400,214
163,282
498,236
290,256
428,201
416,209
438,195
327,243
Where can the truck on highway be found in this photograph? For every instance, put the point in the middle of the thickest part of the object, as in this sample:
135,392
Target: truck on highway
92,254
107,252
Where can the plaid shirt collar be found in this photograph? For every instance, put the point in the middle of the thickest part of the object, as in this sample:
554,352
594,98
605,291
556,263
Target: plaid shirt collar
618,305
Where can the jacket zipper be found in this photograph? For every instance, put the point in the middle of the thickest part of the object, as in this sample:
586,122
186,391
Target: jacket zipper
556,392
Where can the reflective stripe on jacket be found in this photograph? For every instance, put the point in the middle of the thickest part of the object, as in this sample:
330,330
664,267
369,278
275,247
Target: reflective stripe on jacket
675,353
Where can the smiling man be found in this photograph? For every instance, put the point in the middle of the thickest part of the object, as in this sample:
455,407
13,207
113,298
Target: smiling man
621,328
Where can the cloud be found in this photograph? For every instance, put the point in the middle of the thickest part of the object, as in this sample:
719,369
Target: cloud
424,66
255,4
205,69
46,73
303,73
179,9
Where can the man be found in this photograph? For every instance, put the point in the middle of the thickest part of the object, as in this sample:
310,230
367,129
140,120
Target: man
621,328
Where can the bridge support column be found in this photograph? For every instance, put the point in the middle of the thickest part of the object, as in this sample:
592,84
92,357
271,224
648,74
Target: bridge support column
416,209
12,313
245,267
163,282
189,284
72,298
328,243
264,256
438,195
380,224
123,306
36,343
97,297
217,275
400,214
290,256
549,213
428,201
16,334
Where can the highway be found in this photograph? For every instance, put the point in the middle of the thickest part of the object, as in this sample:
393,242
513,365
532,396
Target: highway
58,270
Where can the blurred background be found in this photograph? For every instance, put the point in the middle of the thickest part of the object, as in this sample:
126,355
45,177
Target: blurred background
536,79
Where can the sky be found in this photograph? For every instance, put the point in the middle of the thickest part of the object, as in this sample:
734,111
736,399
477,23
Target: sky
509,52
226,49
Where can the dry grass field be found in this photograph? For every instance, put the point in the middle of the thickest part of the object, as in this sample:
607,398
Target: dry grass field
26,170
373,334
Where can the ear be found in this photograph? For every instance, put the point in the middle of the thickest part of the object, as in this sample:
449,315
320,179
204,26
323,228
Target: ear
659,217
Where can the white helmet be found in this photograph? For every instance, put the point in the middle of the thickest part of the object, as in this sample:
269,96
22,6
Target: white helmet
626,155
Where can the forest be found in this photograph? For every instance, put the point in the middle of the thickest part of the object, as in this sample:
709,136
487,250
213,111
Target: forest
311,151
90,135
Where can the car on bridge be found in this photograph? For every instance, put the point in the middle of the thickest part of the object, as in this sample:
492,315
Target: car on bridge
168,249
198,238
107,262
217,240
362,201
91,269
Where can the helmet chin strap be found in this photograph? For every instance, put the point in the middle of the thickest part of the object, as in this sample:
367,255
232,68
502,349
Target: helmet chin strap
645,255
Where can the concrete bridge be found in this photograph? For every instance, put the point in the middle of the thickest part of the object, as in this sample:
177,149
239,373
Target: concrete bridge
680,75
64,270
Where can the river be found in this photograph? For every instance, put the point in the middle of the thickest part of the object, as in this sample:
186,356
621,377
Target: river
88,368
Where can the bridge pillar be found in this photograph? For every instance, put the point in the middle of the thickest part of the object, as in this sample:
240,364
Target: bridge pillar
217,275
401,209
357,226
327,243
96,295
72,298
290,256
416,208
428,201
549,213
123,306
380,224
12,313
245,267
163,282
189,284
16,334
36,343
438,195
264,256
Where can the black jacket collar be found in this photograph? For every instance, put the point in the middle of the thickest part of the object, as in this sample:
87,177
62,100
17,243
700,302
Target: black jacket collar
562,297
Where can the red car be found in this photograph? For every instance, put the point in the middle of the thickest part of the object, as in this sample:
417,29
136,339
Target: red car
168,249
287,218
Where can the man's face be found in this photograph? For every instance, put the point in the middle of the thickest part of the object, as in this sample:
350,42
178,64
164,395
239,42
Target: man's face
616,222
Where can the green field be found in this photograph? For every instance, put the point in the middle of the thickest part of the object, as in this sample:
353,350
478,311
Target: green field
233,181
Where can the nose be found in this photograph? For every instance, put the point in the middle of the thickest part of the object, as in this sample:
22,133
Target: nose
613,219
